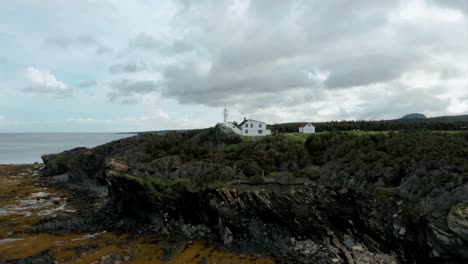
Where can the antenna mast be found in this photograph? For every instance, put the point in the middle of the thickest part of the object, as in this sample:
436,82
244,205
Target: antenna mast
225,116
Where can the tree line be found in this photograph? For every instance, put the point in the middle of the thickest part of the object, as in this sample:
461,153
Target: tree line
439,124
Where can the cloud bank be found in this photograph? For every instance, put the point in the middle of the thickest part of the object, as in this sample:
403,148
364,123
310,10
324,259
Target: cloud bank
274,60
44,82
250,54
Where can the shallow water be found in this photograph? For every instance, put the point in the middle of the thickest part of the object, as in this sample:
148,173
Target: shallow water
23,202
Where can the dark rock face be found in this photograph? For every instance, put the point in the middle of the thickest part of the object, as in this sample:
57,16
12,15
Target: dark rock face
264,219
80,164
457,221
60,163
292,223
449,235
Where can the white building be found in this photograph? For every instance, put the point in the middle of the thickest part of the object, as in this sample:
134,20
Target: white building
307,128
234,128
248,127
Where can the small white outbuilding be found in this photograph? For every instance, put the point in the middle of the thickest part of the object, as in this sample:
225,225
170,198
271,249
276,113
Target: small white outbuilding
307,128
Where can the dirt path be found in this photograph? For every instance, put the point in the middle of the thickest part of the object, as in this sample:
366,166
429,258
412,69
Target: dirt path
24,202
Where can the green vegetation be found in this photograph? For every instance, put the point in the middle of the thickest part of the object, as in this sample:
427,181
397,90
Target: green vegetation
297,137
361,133
364,159
414,165
211,157
257,179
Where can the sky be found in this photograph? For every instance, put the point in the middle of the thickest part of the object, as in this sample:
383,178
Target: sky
115,65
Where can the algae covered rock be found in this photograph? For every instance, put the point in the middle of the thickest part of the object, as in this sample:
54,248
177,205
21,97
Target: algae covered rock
457,220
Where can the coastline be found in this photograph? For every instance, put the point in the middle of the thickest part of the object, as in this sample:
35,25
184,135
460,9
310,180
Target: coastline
255,200
57,226
341,197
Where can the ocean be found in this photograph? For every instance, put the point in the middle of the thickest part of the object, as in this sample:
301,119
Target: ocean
23,148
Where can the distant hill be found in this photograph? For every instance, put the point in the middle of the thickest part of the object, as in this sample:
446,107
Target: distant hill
440,119
414,116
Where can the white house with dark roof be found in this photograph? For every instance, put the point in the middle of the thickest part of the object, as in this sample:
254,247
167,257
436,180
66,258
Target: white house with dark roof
248,127
306,128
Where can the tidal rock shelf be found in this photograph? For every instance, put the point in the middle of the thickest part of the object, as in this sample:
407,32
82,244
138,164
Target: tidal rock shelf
40,223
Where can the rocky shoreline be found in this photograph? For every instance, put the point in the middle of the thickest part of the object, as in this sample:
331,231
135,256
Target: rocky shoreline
319,219
54,220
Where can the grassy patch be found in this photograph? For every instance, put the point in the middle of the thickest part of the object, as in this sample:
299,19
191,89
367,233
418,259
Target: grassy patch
297,137
302,137
361,133
237,147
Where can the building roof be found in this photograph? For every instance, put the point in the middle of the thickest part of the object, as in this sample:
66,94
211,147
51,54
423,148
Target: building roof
305,124
245,121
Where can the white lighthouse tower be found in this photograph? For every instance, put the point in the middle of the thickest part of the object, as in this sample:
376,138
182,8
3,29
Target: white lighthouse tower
225,123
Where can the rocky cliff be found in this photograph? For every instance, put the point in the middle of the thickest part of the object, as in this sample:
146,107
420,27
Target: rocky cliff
295,223
302,219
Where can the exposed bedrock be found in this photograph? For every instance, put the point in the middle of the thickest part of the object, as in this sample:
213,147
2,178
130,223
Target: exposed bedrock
269,218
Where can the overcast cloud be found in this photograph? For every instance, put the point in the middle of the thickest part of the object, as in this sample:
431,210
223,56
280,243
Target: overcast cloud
125,89
276,60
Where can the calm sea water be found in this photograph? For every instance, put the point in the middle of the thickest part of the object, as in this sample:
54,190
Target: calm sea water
18,148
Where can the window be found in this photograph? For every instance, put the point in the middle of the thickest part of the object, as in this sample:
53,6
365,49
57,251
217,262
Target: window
246,131
251,124
259,125
260,131
246,125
